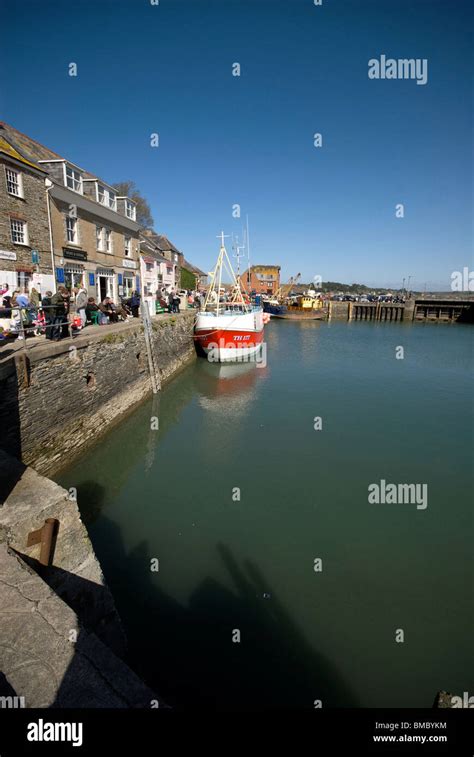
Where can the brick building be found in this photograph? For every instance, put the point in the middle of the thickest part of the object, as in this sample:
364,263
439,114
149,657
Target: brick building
262,279
25,245
95,235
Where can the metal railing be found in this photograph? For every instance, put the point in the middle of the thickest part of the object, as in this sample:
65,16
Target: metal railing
23,325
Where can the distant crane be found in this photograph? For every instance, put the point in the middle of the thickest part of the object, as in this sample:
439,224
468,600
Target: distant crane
284,291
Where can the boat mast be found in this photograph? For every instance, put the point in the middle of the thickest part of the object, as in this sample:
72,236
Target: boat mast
248,250
219,263
223,259
238,255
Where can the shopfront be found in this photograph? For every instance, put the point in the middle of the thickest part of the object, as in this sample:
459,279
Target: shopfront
128,279
74,270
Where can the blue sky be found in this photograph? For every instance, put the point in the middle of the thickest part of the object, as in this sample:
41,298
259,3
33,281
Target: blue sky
248,140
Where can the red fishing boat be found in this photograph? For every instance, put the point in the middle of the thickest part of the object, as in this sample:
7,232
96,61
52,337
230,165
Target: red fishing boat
231,330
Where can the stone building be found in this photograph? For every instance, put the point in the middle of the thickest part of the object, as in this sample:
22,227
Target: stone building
261,279
95,235
25,245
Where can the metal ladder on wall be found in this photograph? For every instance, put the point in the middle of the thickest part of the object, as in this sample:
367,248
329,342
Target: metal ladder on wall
152,366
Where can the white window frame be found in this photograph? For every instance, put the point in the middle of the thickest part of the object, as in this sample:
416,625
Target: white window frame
127,290
130,210
109,197
127,247
25,231
109,241
19,182
74,180
75,229
100,238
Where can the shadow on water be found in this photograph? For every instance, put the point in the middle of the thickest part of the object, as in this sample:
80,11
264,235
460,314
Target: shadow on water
186,654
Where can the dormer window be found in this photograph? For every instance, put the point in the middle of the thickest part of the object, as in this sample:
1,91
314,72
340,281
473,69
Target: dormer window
130,210
106,197
73,179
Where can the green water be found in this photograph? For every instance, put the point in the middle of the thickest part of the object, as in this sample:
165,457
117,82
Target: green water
224,564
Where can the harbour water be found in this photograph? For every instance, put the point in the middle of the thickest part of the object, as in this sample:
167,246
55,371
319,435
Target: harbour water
236,495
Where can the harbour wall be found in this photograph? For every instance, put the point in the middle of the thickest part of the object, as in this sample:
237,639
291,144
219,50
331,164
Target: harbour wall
58,398
430,310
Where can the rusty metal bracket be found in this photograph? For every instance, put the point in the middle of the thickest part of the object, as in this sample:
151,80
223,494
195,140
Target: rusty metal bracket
46,536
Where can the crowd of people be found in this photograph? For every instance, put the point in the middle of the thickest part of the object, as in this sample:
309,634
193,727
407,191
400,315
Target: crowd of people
24,313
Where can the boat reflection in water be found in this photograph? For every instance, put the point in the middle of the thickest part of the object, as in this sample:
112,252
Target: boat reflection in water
227,388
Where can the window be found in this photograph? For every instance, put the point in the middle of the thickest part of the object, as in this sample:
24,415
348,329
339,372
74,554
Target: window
73,179
100,236
71,230
14,183
19,231
169,270
108,240
73,276
127,286
149,267
130,209
128,247
24,279
106,197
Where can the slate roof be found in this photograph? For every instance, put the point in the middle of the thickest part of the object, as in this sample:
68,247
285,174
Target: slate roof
194,269
164,243
7,149
148,247
35,151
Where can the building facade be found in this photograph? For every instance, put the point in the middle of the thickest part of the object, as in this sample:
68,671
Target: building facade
261,279
171,254
25,245
156,273
94,233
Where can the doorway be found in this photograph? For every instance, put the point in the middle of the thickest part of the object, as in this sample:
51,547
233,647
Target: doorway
105,286
102,287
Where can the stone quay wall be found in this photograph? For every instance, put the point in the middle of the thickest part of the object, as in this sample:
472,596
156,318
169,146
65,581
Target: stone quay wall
58,398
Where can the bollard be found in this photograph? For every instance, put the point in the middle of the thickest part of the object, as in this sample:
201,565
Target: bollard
46,536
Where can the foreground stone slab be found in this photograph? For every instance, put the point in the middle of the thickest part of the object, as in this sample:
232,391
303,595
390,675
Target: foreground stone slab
48,658
76,576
